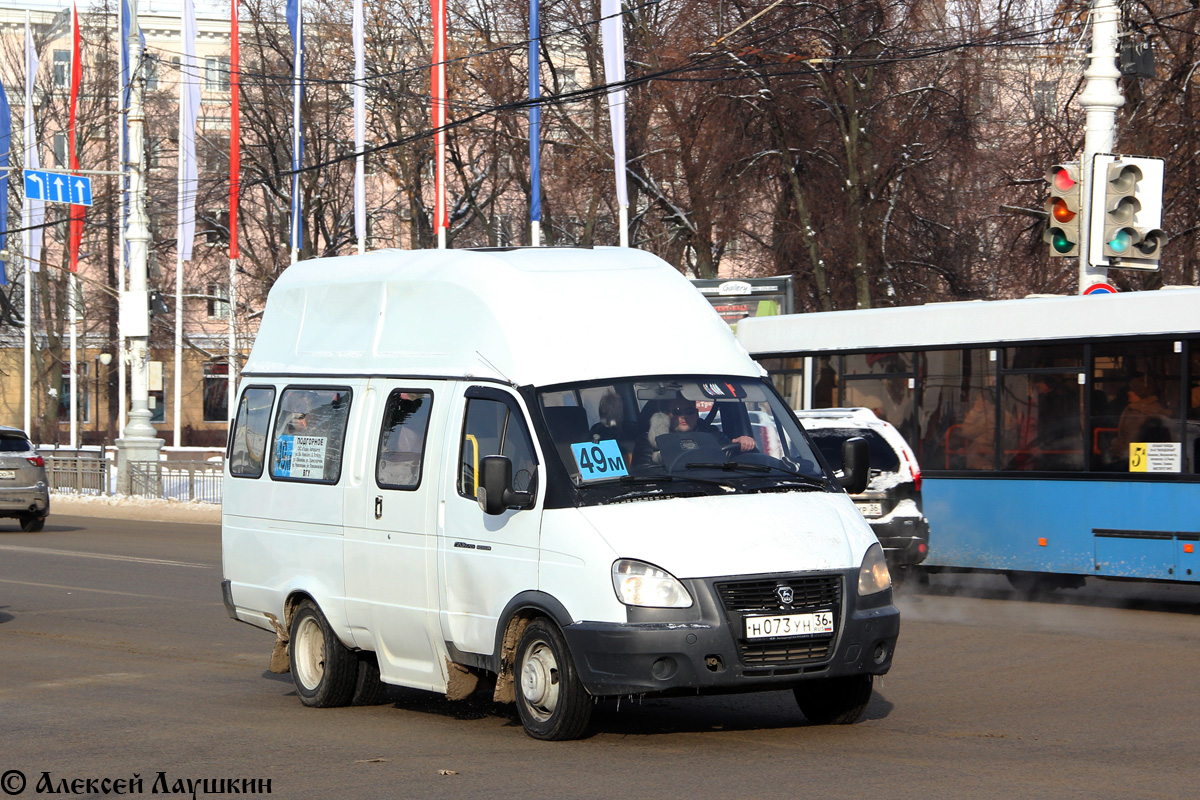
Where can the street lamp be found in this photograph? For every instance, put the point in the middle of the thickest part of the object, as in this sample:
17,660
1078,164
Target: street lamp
105,359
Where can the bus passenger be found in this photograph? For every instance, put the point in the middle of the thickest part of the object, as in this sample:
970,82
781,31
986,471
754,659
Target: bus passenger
1140,420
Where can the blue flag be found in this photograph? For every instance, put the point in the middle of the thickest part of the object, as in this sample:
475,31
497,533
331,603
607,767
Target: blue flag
296,26
535,116
5,148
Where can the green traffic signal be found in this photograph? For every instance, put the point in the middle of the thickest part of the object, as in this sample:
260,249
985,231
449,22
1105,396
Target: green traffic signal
1120,241
1060,242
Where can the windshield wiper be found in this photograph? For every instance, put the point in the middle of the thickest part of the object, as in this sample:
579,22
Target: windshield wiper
784,474
729,466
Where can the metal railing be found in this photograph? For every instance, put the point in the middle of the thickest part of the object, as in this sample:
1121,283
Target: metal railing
78,475
177,480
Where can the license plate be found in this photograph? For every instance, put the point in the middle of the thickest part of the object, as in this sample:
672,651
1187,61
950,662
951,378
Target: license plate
8,474
770,627
870,509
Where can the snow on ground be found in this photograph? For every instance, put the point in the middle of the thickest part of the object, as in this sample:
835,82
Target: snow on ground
127,507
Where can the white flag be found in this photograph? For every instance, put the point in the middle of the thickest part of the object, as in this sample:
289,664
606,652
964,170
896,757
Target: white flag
37,208
613,37
189,110
360,200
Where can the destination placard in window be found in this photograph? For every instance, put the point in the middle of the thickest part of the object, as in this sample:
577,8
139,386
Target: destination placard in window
301,457
1155,457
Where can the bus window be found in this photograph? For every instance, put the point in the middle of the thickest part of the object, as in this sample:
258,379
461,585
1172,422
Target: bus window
1135,401
825,384
788,376
1193,414
1042,422
958,410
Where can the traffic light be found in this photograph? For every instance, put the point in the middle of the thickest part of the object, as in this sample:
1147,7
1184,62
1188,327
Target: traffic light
1062,207
1128,227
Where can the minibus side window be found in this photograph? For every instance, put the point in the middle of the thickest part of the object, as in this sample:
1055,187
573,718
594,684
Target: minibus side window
248,443
491,429
402,440
310,432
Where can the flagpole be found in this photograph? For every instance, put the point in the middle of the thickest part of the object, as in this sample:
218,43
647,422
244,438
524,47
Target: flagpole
535,127
438,85
297,91
360,74
235,171
27,224
613,37
139,441
177,378
74,243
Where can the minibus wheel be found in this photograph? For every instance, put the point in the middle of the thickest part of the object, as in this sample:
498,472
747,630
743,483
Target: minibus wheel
834,701
324,670
550,698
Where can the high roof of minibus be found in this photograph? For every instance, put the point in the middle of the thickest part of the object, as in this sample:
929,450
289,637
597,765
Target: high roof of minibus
536,316
1163,312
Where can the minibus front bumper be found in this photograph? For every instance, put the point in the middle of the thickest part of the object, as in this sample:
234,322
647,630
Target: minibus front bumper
706,648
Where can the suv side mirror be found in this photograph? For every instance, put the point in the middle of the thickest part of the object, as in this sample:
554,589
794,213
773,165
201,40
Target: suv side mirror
495,494
856,465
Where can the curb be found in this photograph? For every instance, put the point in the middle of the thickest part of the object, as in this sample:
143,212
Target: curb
134,508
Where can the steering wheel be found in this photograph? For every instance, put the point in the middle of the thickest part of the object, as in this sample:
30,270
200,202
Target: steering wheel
732,449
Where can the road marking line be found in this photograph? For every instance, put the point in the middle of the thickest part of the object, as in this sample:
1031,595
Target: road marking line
104,557
97,591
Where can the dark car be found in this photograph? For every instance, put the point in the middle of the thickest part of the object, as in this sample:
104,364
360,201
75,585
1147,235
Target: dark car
891,502
24,492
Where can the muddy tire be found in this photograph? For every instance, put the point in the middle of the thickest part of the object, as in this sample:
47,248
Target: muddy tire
324,670
551,701
835,701
32,524
369,690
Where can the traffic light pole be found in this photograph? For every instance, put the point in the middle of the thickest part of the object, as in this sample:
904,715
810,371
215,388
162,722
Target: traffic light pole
139,441
1100,99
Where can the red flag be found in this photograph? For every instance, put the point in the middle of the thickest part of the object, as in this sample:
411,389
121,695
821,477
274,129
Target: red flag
76,78
235,154
438,91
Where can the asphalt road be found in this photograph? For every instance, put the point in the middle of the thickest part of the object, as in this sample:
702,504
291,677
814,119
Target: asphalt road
117,658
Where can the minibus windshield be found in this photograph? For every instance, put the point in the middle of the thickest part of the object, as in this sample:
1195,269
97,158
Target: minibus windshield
728,434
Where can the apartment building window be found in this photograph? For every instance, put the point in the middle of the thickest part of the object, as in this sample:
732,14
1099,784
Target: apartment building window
214,225
216,73
60,149
216,154
1045,98
82,406
218,309
62,68
216,391
151,72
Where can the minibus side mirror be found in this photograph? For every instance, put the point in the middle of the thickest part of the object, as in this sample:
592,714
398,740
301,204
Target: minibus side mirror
856,465
495,494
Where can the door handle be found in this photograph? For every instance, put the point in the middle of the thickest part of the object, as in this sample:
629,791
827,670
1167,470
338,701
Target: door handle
378,507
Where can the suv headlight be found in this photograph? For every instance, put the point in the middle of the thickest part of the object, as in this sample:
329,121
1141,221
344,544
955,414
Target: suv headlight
640,584
873,576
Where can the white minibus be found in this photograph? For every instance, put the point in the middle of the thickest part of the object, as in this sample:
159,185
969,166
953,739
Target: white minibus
551,474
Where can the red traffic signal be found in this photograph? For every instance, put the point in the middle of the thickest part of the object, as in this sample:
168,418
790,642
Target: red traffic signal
1062,210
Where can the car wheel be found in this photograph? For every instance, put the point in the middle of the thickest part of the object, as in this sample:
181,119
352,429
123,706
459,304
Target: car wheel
551,701
369,690
324,670
835,701
32,524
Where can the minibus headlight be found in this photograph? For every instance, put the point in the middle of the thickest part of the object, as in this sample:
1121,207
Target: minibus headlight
641,584
874,577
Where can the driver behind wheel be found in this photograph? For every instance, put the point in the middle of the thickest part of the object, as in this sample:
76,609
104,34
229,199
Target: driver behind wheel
681,416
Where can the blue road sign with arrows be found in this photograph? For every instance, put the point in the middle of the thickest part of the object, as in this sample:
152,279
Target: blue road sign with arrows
58,187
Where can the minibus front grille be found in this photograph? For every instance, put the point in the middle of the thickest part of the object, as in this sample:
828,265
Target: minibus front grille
815,592
764,596
785,653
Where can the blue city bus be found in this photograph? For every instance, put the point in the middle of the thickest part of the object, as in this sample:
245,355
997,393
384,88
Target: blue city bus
1058,437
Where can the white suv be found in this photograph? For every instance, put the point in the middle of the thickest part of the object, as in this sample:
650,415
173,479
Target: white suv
891,502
